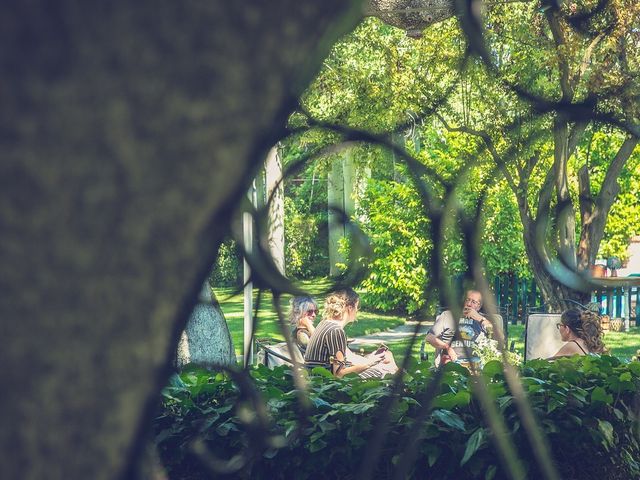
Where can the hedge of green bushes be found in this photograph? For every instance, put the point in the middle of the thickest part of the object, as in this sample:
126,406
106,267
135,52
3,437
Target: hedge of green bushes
587,408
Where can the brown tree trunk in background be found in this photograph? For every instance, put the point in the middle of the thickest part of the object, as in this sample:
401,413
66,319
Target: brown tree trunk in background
128,130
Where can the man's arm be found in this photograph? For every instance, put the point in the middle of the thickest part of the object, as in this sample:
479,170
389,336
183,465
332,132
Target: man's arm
442,345
477,316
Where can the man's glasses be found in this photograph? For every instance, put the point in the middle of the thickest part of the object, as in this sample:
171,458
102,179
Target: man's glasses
473,301
558,325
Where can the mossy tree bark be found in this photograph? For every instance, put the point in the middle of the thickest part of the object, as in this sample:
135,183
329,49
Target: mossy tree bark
128,131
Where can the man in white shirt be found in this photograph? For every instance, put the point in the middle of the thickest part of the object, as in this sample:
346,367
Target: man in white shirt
455,343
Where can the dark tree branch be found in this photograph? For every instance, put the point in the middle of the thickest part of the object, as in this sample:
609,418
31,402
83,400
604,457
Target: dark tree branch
553,18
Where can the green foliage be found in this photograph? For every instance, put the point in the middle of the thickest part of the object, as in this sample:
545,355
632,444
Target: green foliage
227,271
624,219
584,405
401,248
301,233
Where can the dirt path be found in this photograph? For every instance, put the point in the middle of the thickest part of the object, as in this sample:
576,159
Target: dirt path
400,332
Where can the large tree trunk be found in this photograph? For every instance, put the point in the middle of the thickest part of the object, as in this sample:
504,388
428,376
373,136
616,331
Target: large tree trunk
128,130
565,213
554,293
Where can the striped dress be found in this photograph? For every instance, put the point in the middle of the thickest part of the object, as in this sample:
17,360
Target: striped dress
327,340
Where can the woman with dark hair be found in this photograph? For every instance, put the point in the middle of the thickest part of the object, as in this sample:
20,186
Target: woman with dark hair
328,345
302,313
582,332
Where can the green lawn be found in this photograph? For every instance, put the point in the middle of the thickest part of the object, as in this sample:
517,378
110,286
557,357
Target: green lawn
232,307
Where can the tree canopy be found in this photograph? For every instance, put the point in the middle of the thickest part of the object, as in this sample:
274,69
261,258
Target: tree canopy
542,122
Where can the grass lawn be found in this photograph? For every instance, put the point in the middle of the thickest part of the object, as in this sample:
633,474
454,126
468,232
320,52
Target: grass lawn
233,307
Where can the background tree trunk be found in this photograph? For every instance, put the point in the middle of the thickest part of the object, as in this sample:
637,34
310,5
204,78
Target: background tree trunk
128,131
275,192
335,200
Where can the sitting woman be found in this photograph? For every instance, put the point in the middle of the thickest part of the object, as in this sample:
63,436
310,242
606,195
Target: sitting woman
329,341
582,332
302,313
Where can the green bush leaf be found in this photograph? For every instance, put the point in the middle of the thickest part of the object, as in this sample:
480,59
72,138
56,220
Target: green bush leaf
451,400
492,368
450,419
607,431
599,394
491,472
476,440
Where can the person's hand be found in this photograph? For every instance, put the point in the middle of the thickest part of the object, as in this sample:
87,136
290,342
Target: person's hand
376,359
388,356
452,354
469,312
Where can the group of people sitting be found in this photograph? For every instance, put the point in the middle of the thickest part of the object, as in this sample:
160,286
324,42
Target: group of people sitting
325,344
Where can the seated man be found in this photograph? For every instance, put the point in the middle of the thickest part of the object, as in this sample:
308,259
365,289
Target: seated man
450,342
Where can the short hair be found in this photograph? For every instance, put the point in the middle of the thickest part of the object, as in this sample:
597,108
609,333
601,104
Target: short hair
469,290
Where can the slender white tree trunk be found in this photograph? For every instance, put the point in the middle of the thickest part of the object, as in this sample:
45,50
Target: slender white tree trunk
274,190
335,199
344,187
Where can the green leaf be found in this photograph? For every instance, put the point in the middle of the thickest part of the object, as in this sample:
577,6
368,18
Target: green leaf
491,472
450,419
625,377
317,445
492,368
476,440
322,372
599,394
607,431
319,402
433,453
451,400
634,367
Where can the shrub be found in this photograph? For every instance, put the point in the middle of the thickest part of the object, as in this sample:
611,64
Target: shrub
397,232
586,406
301,232
228,268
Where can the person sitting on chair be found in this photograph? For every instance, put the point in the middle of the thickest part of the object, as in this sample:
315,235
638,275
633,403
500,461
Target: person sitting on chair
455,343
582,331
302,313
328,344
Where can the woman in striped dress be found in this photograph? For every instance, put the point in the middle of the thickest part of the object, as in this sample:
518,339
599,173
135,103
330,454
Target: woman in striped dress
329,341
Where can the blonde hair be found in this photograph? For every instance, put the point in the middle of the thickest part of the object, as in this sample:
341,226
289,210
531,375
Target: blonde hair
337,303
587,326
